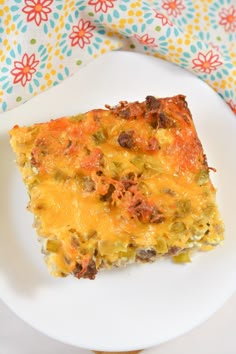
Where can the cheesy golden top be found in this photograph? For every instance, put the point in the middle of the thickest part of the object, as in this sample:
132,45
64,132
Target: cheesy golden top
118,185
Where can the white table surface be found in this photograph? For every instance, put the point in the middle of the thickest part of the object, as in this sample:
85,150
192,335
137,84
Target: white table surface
216,336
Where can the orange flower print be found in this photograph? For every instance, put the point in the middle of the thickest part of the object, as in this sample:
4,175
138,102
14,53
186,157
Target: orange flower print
82,33
146,40
37,10
23,70
228,19
232,105
173,7
102,5
164,20
206,62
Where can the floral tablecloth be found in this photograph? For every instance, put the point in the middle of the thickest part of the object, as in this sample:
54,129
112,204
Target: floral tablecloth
42,42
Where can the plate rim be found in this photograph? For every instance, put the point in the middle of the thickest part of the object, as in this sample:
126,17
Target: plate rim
133,347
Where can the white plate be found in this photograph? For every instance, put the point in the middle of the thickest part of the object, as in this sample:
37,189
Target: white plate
142,305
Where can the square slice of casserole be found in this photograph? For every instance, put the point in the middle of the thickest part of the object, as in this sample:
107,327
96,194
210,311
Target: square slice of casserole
119,185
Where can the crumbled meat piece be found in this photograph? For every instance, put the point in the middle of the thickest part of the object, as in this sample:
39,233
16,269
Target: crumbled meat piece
164,121
146,255
174,250
128,111
88,184
160,120
124,113
127,183
107,197
156,216
145,212
129,180
77,270
89,272
126,140
152,103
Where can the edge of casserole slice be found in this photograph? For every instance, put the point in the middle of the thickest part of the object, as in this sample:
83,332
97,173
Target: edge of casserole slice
119,185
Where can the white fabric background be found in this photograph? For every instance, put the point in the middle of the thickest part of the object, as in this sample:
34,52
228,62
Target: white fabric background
216,336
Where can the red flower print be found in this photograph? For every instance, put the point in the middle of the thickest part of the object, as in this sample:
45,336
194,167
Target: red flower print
214,46
82,33
228,19
173,7
146,40
164,20
102,5
37,10
232,105
207,62
23,70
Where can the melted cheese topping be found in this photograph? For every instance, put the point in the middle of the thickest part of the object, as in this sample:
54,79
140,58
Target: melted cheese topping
110,185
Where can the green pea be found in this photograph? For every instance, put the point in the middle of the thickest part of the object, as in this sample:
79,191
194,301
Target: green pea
60,176
99,137
53,246
177,227
77,118
209,210
138,162
202,177
182,258
184,206
200,227
33,184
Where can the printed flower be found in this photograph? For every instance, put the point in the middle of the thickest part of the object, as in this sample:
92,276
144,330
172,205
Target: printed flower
222,15
146,40
232,105
19,93
82,33
102,5
228,19
214,46
37,10
164,20
24,70
172,11
173,7
206,62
